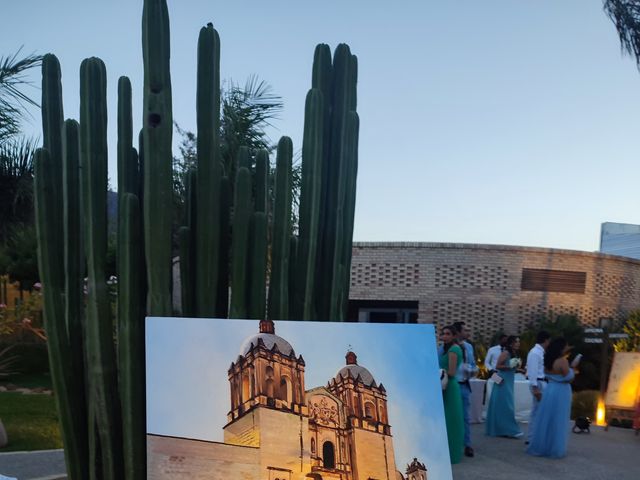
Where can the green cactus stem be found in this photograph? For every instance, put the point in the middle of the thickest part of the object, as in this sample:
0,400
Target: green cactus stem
186,271
222,298
101,360
73,249
240,247
127,168
70,395
131,342
310,199
279,285
158,159
52,121
258,267
261,180
209,171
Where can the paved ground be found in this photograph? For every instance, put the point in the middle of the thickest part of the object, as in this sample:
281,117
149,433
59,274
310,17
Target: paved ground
598,456
44,464
614,454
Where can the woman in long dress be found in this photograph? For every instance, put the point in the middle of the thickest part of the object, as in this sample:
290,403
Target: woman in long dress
501,417
552,422
449,361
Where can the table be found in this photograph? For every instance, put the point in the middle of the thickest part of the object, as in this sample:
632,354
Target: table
480,402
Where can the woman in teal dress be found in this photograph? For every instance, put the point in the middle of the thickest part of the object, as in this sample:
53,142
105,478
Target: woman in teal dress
552,422
449,361
501,417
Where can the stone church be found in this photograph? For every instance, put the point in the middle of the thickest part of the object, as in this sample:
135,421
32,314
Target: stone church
278,430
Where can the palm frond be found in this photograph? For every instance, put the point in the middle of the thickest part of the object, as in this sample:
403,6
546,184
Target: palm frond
13,101
12,77
625,15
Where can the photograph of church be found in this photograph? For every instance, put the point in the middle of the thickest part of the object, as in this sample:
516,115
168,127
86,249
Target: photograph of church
278,421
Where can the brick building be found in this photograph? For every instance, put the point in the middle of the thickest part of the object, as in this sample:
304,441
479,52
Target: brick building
492,287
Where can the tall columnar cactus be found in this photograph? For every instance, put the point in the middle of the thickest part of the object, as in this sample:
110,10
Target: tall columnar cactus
52,120
131,357
209,171
187,245
261,180
279,284
257,288
103,421
310,197
240,247
337,83
158,159
127,165
70,397
101,360
222,298
73,251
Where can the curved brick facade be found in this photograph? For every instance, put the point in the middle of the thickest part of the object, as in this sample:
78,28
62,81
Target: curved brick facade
494,287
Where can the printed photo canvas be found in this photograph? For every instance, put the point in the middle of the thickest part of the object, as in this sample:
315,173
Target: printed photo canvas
286,400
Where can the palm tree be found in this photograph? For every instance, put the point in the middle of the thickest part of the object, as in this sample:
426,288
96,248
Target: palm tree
13,101
16,184
246,112
625,14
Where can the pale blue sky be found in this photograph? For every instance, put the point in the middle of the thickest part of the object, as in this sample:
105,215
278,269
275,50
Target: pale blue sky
188,388
487,121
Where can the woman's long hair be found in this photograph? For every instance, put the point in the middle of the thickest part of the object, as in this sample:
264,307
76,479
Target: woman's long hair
452,330
555,350
509,346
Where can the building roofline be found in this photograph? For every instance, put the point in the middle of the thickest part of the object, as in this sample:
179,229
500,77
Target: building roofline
503,248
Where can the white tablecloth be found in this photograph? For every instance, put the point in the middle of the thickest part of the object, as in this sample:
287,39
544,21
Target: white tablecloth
477,399
478,411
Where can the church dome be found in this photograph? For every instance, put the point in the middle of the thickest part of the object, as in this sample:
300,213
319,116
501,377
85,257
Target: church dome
268,338
353,369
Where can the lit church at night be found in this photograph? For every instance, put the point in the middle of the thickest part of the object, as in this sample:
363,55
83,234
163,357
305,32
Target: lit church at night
278,430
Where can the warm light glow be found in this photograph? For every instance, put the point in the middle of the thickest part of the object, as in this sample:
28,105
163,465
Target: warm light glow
600,421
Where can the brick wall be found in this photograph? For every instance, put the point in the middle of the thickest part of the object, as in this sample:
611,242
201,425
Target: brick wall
481,284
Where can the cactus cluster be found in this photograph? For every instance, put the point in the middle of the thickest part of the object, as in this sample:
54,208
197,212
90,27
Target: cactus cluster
239,257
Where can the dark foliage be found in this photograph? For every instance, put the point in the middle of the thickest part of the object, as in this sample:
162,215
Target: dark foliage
625,15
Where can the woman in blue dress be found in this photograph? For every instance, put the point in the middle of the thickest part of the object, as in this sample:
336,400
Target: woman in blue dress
552,422
449,360
501,417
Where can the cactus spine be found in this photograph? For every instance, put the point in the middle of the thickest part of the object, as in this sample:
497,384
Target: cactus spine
103,394
209,171
158,159
279,285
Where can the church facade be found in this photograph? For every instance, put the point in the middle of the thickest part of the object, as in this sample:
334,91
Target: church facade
277,429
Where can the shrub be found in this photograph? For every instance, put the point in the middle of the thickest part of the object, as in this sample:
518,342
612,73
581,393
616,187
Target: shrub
30,357
584,404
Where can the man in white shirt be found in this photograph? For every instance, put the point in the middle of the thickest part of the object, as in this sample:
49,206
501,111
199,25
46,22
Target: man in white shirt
491,359
536,376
